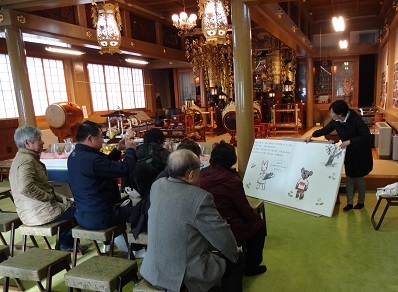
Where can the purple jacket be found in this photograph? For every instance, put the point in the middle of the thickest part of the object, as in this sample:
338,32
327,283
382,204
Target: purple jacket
231,202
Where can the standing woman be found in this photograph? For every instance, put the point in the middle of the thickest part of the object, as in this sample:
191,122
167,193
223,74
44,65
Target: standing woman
356,139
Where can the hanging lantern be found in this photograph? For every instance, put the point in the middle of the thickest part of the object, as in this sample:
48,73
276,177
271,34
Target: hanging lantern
107,20
214,22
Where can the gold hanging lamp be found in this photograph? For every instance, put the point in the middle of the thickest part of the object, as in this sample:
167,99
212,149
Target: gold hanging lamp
214,20
107,20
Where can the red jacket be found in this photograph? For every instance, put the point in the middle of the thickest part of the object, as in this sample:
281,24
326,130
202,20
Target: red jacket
231,202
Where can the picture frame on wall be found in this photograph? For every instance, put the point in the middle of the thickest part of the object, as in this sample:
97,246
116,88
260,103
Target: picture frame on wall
383,90
395,91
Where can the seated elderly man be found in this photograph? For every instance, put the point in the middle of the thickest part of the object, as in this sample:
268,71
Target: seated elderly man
93,178
35,200
182,222
188,144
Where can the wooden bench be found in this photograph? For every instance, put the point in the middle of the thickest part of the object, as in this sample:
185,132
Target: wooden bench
391,201
35,264
258,205
141,239
104,235
9,221
5,192
45,231
144,286
4,168
102,274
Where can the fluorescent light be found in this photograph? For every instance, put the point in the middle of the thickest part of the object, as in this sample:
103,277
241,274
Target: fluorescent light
136,61
131,53
92,46
338,23
37,39
64,51
343,44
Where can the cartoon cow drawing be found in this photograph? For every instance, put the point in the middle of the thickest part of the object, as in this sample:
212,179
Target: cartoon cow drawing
264,175
302,184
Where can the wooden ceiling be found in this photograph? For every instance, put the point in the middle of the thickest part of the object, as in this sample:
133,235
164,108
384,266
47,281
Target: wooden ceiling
360,15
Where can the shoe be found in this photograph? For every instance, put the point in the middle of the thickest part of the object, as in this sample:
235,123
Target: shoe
82,248
66,248
257,271
359,206
140,254
348,207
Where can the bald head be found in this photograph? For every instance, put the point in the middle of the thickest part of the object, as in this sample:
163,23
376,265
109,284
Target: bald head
181,162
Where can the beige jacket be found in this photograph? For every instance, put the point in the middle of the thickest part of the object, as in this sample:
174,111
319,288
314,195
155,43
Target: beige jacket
34,198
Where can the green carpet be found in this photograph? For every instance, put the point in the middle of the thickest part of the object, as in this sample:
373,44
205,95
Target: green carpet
308,253
342,253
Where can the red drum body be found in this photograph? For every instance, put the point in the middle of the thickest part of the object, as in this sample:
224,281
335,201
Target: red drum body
63,118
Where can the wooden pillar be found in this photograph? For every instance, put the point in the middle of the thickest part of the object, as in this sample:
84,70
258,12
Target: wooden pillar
243,77
19,70
310,92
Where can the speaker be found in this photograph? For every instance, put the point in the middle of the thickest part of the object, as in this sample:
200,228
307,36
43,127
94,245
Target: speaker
383,134
395,147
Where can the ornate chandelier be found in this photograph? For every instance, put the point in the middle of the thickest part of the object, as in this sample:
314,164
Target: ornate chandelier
107,20
183,22
214,20
215,60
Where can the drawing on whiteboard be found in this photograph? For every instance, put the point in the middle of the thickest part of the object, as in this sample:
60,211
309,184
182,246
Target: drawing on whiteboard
285,159
264,175
333,152
302,184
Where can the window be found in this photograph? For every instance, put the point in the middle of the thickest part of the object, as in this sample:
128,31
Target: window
8,108
47,83
114,87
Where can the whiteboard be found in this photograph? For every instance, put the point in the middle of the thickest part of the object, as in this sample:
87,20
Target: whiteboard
295,174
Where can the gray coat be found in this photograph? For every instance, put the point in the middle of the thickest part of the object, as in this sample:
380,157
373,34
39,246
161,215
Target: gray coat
182,221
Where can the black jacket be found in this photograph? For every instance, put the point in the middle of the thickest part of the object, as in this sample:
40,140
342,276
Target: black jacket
92,177
358,160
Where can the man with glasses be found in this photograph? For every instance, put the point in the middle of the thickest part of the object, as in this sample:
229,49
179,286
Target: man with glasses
93,178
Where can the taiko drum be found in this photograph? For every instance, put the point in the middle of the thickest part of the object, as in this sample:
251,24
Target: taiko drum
64,114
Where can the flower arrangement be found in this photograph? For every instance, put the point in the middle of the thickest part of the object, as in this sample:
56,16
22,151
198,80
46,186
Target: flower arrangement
112,132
